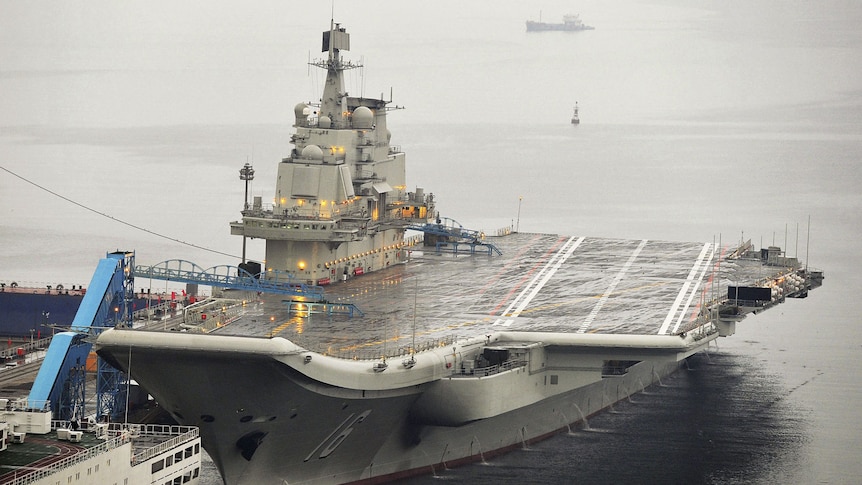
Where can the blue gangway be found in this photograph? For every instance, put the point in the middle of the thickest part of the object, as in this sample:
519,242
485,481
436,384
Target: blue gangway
103,305
447,235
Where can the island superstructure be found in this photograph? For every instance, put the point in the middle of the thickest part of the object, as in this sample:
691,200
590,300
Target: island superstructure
341,201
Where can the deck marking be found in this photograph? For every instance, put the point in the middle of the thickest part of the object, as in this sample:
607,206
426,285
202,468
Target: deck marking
683,290
706,265
506,268
619,277
707,286
532,289
527,274
551,260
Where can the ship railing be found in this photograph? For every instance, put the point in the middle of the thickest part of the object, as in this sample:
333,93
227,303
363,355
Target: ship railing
163,308
489,370
313,213
414,240
745,303
177,434
701,329
26,347
33,475
27,405
358,353
505,231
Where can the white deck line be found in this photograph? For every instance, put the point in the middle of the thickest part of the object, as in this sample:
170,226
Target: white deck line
523,299
619,277
683,290
706,265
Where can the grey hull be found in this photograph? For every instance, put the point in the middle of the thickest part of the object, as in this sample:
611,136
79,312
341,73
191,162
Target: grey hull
262,421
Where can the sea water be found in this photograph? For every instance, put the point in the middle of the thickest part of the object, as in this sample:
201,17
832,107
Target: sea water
124,126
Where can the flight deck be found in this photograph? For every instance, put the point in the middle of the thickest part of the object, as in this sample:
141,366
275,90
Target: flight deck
540,283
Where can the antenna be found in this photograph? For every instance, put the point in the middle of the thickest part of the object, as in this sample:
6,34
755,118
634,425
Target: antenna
796,248
129,375
415,293
808,242
409,363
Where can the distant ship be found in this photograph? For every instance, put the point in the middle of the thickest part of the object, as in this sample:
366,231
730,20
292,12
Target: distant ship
503,351
571,22
575,119
27,312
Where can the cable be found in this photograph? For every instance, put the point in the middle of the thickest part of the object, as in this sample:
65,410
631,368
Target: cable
148,231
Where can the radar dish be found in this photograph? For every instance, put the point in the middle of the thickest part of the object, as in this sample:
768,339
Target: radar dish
301,111
363,118
312,152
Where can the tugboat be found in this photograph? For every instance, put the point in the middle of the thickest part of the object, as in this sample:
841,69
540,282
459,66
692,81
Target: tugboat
575,119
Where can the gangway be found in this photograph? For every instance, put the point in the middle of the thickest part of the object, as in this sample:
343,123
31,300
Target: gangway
447,235
107,303
226,276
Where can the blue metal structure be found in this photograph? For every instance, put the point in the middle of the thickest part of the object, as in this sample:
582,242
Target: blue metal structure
68,350
106,304
226,276
323,307
447,235
109,303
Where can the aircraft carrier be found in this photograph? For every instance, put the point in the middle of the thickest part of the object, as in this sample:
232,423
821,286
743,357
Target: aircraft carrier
387,356
455,356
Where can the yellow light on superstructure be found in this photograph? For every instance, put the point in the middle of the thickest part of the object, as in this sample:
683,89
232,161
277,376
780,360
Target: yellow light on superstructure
283,201
301,265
